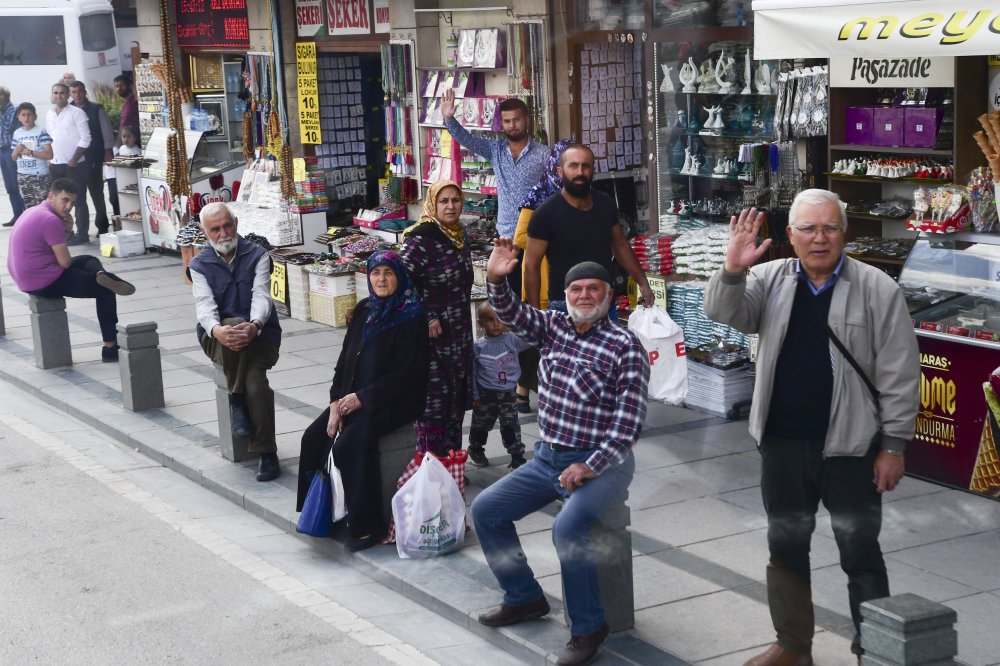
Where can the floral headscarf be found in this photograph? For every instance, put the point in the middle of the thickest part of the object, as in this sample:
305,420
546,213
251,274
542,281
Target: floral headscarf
551,182
396,308
455,233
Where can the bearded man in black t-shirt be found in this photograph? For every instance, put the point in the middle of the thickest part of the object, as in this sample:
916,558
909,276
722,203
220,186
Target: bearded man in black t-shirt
576,225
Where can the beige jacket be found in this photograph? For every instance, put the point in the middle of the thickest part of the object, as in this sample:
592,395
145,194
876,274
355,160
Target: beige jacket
867,313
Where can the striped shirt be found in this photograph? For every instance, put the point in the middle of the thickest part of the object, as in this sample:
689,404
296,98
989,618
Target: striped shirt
515,178
592,386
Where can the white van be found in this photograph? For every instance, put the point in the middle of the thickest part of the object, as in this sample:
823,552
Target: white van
40,40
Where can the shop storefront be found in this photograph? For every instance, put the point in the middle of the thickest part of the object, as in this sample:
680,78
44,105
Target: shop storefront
926,62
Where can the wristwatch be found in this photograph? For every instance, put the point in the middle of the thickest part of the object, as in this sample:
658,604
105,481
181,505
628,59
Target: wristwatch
260,329
893,452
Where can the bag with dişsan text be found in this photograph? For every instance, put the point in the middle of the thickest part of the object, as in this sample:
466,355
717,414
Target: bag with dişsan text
663,340
429,512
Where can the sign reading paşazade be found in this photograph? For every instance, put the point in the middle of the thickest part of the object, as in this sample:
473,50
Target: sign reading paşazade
217,23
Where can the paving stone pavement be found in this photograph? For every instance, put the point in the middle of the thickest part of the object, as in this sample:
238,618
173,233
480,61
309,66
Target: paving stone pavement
698,525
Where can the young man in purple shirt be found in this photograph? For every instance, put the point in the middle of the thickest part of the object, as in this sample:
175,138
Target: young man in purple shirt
40,264
591,406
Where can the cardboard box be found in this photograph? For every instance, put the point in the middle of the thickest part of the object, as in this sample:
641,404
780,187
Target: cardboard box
920,126
888,126
124,243
332,285
859,124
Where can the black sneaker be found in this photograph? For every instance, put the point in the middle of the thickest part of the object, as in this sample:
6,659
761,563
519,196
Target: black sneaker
516,460
116,284
77,239
11,223
109,354
478,457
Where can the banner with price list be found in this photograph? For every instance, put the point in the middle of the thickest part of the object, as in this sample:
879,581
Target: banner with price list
305,59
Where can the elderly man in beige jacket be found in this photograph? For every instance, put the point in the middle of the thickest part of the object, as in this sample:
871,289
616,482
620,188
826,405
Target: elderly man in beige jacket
834,404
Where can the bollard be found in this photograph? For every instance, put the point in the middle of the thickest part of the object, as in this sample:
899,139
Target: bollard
907,629
139,364
610,539
395,451
234,448
3,326
50,332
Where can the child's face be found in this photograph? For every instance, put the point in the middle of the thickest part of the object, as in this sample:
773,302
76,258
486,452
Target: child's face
491,325
128,139
27,118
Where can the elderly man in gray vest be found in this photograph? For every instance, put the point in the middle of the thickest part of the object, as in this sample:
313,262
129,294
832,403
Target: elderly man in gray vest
238,327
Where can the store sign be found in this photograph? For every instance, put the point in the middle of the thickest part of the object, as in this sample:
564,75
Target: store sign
279,282
218,23
309,19
955,421
305,60
890,29
348,17
861,72
994,89
381,9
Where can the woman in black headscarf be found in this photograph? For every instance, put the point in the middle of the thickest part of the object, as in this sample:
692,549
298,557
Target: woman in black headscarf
379,385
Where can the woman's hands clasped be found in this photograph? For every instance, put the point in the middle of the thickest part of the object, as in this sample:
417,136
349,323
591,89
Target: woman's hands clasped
339,409
743,251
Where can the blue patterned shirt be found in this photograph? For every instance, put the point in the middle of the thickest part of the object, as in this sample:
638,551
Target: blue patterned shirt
7,117
592,387
515,178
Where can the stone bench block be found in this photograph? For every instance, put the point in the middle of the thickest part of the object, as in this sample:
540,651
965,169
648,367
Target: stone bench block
612,541
50,332
396,450
236,449
140,367
907,629
3,325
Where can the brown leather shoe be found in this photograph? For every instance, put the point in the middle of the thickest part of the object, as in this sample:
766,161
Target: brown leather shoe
583,649
504,614
779,656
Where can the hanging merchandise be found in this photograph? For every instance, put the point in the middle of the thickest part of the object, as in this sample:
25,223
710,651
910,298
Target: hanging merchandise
178,181
398,86
525,71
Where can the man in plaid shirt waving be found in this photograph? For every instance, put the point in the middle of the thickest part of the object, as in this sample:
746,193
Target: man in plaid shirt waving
592,402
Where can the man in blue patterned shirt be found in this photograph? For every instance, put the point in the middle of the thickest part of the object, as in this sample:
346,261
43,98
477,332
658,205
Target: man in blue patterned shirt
8,123
593,379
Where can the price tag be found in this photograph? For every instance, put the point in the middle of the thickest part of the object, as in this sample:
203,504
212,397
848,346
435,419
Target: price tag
305,60
278,282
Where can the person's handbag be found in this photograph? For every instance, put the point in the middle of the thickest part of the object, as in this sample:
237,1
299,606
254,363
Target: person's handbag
429,512
663,341
324,503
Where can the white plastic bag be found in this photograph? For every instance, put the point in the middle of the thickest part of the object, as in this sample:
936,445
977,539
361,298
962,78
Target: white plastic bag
336,489
663,340
429,512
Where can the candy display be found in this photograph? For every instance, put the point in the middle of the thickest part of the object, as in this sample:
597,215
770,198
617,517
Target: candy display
654,253
940,210
982,200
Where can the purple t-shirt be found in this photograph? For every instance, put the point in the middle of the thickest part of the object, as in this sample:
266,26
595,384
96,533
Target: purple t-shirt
30,259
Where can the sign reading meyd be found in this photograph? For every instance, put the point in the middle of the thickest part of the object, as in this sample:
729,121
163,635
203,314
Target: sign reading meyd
863,72
910,28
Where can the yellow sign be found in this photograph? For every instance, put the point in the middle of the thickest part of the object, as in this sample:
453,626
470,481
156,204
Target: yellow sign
446,144
657,284
298,169
994,61
278,282
305,59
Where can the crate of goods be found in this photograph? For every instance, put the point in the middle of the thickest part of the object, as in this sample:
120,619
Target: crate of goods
298,292
124,243
330,310
341,284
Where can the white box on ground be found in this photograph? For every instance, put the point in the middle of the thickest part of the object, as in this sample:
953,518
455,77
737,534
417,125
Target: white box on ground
332,285
124,243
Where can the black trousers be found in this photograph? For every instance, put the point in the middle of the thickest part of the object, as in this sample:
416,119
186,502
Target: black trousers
356,455
95,185
794,479
80,281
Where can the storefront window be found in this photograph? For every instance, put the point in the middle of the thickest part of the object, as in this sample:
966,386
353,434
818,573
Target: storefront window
32,40
609,14
97,32
686,13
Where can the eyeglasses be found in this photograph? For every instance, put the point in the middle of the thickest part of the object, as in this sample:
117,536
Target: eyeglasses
812,229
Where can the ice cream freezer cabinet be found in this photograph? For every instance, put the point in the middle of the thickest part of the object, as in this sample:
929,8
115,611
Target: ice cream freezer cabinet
952,286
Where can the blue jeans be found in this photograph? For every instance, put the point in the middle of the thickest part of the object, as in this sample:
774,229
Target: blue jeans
8,167
530,488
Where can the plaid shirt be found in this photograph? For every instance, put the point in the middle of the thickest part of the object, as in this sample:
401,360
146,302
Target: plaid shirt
592,387
7,125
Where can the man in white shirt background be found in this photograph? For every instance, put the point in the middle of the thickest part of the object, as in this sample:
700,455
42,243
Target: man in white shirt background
69,128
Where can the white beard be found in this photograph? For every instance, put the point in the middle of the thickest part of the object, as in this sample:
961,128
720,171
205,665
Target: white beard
224,247
593,317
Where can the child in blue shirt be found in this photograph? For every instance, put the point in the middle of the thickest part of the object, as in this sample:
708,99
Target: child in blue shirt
495,374
31,146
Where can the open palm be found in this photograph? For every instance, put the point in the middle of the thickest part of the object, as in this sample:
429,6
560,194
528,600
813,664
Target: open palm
742,252
503,260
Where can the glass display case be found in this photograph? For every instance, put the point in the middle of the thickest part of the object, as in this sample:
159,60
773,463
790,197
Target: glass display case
952,288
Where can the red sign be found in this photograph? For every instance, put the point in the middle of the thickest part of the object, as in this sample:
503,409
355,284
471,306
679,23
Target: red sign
953,411
348,17
220,23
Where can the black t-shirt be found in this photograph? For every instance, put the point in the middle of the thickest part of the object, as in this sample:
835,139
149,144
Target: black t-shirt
573,236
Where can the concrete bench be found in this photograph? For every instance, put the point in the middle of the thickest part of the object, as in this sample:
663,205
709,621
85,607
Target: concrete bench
50,332
395,450
139,364
236,449
906,630
613,543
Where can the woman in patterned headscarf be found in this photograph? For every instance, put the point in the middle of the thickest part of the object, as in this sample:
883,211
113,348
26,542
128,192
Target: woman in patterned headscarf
550,184
438,259
378,386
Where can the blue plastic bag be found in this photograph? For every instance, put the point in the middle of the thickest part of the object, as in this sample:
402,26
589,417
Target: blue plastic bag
317,511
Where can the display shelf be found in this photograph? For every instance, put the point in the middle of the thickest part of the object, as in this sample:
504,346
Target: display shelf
877,260
878,179
712,176
891,150
874,218
470,129
462,69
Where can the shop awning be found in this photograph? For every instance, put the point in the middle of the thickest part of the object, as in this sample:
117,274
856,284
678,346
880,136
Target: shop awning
890,28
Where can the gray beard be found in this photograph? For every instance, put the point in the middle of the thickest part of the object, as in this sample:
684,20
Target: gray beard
224,247
595,315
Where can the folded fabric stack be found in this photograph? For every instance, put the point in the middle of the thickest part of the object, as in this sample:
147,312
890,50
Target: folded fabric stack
191,235
685,306
654,253
700,252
